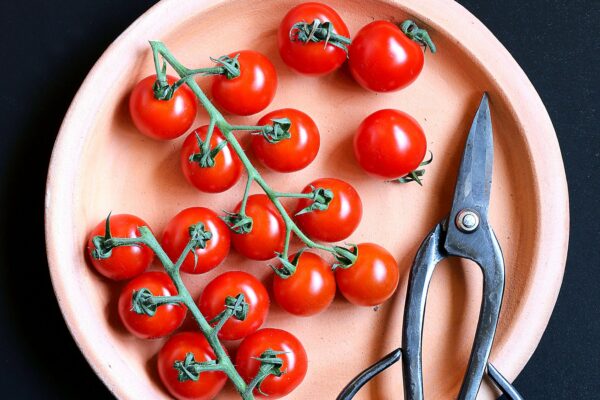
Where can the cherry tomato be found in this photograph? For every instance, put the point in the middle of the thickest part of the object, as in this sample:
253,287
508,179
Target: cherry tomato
167,318
383,59
208,385
390,144
372,279
314,58
252,91
162,119
176,237
125,262
268,230
222,175
295,361
339,220
309,290
290,154
232,283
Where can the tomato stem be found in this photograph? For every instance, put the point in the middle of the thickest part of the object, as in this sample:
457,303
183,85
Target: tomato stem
316,32
417,34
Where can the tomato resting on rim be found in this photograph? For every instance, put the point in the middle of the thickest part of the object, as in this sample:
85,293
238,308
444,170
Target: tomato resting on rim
389,144
295,361
162,119
209,383
250,92
294,153
313,58
233,283
176,236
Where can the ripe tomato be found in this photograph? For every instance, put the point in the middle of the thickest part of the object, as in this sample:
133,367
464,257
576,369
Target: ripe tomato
382,58
389,143
162,119
252,91
372,279
268,230
294,359
176,236
175,349
222,175
314,58
339,220
168,317
232,283
309,290
290,154
125,262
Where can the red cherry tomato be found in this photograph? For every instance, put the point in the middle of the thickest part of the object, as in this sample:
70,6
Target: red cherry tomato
208,385
295,361
212,302
222,175
372,279
176,236
339,220
314,58
390,144
162,119
383,59
309,290
167,318
252,91
290,154
125,262
268,230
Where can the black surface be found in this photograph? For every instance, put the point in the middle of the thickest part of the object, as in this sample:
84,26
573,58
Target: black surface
47,49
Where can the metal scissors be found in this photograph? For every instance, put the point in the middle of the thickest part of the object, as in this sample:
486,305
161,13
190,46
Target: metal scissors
465,233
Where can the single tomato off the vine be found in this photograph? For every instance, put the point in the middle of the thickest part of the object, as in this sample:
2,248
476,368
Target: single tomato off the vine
389,144
208,385
177,235
250,92
309,290
162,119
290,154
382,58
268,230
217,178
295,361
125,262
341,217
167,318
372,279
232,283
313,58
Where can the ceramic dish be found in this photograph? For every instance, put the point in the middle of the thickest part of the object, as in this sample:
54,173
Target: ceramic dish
100,163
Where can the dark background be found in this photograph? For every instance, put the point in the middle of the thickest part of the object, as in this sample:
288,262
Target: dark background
48,47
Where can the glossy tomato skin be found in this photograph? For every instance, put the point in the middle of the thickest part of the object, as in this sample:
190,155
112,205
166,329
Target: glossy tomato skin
310,290
252,91
291,154
162,119
176,236
311,58
167,318
222,175
383,59
268,230
175,349
339,220
232,283
295,361
125,262
389,144
372,279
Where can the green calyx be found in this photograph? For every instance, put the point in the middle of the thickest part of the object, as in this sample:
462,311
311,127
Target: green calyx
417,34
346,257
238,223
321,199
416,175
270,364
229,67
287,268
189,369
235,307
103,244
205,158
279,130
316,32
145,303
199,235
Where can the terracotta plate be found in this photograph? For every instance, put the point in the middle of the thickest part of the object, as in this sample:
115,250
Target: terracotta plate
100,163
